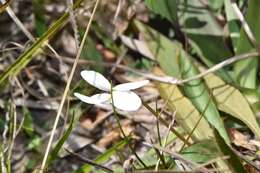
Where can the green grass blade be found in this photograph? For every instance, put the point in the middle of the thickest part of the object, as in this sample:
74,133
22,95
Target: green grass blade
36,47
103,157
54,153
40,22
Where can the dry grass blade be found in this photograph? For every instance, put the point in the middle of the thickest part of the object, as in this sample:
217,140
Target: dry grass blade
67,88
4,5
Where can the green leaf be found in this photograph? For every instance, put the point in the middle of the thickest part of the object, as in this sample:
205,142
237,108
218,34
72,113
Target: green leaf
201,152
90,52
39,16
201,98
185,110
36,47
165,8
230,100
28,122
54,153
216,5
35,144
204,33
103,157
195,90
235,164
161,51
246,70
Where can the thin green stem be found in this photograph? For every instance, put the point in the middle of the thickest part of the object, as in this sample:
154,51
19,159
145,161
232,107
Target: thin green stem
166,124
122,131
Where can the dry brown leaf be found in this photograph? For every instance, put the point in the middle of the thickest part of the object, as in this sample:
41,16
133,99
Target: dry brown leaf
115,134
241,140
91,121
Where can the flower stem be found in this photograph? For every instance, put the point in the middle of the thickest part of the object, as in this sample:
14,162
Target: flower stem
122,131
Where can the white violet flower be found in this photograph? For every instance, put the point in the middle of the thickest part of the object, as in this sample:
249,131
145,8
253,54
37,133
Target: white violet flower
123,97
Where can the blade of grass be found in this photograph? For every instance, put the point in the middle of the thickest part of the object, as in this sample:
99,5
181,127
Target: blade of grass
103,157
5,5
68,86
54,153
35,48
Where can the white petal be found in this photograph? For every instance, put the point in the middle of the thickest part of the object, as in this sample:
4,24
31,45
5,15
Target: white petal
95,99
126,100
131,85
96,79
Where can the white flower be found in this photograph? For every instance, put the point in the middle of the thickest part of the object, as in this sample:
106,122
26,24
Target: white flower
123,97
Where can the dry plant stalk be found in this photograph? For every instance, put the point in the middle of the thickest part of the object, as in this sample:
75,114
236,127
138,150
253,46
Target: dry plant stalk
65,93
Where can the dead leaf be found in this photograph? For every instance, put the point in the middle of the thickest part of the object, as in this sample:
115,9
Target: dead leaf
137,45
115,134
241,140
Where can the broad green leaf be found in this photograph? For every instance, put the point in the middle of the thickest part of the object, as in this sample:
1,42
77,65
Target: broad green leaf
187,115
36,47
202,28
246,70
165,8
54,153
201,152
103,157
198,93
204,33
231,101
179,63
252,95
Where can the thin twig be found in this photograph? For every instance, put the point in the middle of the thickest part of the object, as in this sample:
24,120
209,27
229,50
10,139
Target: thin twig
169,79
67,87
73,23
220,66
119,60
212,161
119,6
88,161
163,121
246,159
245,26
178,171
166,139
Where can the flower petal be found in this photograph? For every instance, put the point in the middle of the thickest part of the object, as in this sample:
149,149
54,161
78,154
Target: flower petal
126,100
95,99
130,85
96,79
